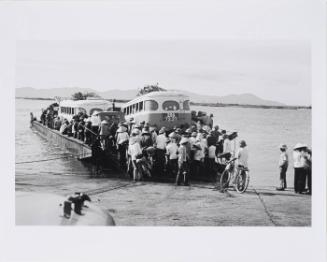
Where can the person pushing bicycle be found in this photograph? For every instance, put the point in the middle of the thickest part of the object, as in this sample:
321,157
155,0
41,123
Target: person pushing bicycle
242,156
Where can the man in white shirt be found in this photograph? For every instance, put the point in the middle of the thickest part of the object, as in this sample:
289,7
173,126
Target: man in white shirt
122,139
283,165
172,155
198,159
160,145
242,155
134,150
299,161
212,160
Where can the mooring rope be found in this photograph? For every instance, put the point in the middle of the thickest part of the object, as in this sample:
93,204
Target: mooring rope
106,189
48,159
265,207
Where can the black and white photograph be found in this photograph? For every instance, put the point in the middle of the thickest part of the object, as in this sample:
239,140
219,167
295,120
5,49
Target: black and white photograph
163,131
165,123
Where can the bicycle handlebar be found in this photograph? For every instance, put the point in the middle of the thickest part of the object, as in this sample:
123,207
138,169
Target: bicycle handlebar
232,160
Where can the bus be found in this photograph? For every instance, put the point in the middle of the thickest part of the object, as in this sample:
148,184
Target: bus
69,108
160,109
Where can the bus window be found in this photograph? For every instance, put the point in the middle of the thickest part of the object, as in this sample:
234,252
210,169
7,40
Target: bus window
170,105
141,106
73,110
130,110
137,107
150,105
186,105
125,111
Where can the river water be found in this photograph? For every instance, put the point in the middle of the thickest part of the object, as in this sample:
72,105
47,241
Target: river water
263,130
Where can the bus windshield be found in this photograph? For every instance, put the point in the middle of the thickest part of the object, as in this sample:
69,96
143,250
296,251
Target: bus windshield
170,105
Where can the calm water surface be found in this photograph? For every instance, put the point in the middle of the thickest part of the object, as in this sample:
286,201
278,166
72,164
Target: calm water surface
263,129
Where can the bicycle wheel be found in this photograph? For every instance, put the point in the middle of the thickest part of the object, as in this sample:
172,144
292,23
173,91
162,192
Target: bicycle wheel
242,181
224,179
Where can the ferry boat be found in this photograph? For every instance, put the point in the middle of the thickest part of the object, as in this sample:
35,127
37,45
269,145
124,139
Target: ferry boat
97,110
160,108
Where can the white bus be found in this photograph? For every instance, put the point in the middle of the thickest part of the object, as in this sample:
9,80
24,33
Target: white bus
160,108
69,108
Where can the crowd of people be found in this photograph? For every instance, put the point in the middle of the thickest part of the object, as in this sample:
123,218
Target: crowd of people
197,151
144,151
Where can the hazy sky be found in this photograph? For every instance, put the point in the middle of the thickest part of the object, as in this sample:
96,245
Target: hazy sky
221,48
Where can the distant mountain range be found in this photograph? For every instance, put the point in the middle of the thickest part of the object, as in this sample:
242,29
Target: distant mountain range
242,99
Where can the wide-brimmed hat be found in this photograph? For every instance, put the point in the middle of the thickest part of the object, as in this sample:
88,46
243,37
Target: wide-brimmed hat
300,145
151,150
172,135
104,122
184,140
162,130
283,146
124,124
135,131
121,129
197,145
145,131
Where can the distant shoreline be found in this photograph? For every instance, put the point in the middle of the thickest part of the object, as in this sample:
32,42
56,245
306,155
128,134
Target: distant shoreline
198,104
249,106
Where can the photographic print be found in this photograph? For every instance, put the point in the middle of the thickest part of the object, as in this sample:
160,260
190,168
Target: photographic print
164,132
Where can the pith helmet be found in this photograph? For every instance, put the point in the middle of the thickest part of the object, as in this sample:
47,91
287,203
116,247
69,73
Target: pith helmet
145,131
300,145
184,140
162,130
172,135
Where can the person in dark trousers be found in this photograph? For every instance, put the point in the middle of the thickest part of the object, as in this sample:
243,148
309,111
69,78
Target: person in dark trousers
308,164
146,139
80,130
283,165
172,155
97,155
299,167
183,173
88,132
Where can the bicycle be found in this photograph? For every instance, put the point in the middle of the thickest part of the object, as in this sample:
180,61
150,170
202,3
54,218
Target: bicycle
240,177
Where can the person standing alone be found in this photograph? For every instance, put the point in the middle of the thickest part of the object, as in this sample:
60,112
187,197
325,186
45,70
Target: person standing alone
283,165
